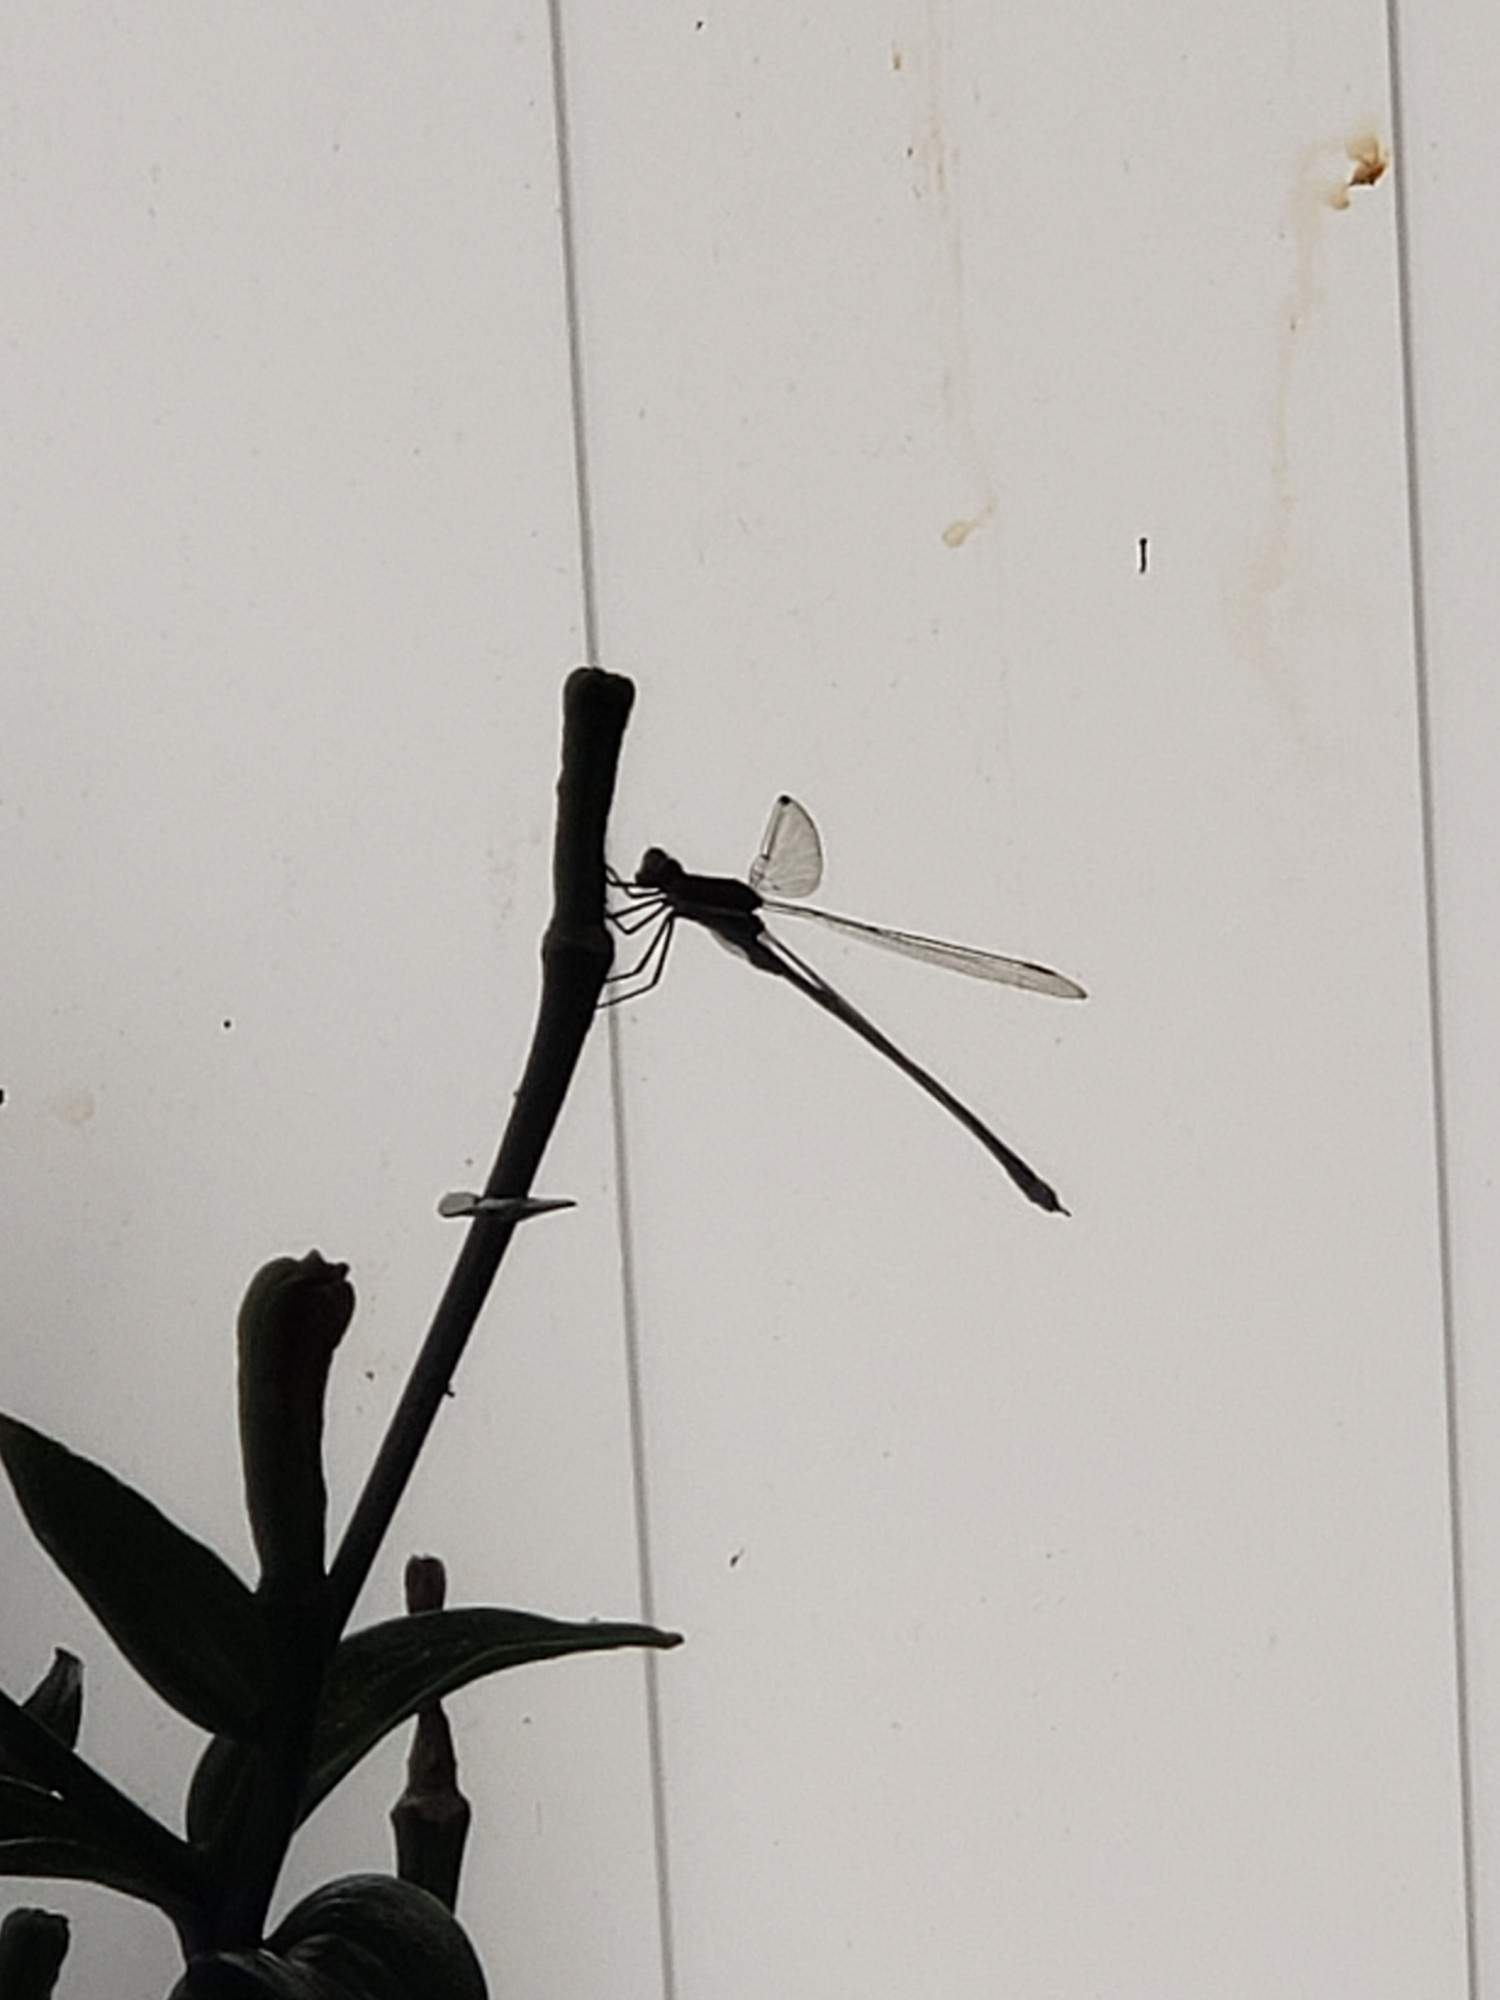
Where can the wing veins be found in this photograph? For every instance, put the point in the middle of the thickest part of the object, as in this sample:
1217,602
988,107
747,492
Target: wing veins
790,861
968,959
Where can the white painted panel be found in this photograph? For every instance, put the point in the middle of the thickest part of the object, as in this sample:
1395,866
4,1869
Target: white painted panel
289,589
1449,63
1068,1600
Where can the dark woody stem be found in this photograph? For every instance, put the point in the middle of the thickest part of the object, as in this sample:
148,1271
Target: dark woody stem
576,955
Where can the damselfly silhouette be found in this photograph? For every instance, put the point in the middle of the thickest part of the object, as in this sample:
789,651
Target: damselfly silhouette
790,864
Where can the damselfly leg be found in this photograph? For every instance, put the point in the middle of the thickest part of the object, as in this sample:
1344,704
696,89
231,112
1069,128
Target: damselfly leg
639,978
644,908
641,903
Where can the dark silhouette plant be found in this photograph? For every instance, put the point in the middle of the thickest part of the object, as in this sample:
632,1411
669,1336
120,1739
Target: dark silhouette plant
290,1698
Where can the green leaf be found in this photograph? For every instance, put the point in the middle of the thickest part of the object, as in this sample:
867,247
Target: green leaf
381,1676
41,1834
367,1937
176,1610
76,1861
252,1975
56,1702
57,1699
371,1934
219,1793
64,1799
31,1809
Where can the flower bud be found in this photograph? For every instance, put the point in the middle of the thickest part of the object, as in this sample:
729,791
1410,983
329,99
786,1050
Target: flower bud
33,1945
293,1317
431,1817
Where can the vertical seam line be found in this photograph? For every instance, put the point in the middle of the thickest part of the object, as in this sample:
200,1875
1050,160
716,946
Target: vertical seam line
1437,1055
629,1308
582,487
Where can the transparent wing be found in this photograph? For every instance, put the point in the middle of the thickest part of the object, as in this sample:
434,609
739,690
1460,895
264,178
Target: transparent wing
790,861
955,957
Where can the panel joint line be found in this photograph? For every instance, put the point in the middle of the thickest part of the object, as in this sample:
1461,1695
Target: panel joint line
1422,679
630,1315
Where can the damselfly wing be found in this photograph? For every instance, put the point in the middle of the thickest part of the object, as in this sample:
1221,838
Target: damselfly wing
790,863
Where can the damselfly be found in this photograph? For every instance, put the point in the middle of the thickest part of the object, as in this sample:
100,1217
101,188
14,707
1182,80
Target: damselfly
790,864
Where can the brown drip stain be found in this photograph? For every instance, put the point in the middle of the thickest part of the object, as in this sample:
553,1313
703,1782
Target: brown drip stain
1368,161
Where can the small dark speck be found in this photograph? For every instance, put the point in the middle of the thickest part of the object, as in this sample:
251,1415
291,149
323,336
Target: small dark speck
735,1558
2,1096
227,1023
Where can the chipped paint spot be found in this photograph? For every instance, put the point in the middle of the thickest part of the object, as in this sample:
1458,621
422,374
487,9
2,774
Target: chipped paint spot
1368,161
958,532
74,1107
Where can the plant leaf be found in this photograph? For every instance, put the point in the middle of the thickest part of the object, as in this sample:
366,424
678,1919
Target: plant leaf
367,1937
57,1699
76,1861
386,1673
176,1610
372,1934
41,1834
218,1793
56,1702
30,1809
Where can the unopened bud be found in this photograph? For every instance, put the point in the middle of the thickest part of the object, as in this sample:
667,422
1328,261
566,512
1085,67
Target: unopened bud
33,1945
294,1316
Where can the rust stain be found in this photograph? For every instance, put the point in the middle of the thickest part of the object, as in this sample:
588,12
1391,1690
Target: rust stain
1262,601
1368,161
1267,602
922,55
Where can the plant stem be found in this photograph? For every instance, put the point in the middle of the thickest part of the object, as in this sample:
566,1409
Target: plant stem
576,956
297,1634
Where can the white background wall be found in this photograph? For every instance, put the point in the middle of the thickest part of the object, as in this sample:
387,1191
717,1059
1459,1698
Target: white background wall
1070,1602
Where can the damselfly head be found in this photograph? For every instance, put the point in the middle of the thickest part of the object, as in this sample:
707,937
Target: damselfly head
657,870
